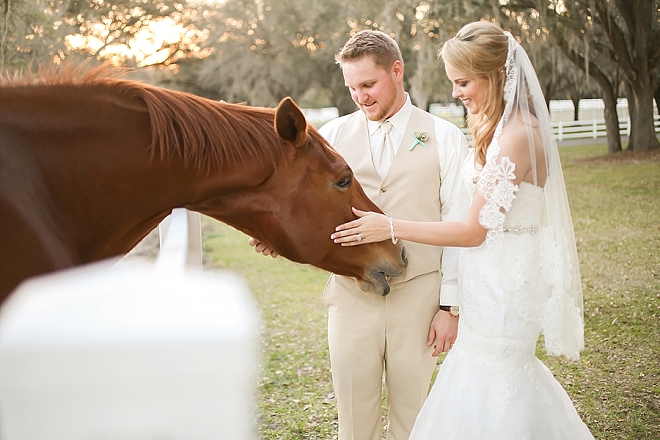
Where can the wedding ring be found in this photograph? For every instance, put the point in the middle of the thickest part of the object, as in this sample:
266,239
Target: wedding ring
359,237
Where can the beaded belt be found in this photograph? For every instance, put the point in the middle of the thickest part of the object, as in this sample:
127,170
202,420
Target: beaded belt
519,230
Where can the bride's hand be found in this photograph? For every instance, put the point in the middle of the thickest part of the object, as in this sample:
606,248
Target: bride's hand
368,228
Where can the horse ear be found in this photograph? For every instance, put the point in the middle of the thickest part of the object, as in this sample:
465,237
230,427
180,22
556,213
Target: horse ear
290,123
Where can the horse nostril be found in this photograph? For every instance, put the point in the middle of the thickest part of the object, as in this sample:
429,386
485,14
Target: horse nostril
404,257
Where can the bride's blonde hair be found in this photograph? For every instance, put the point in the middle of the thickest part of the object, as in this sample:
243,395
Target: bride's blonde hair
479,50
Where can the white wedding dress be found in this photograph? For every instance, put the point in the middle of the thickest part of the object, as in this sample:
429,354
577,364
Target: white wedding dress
491,385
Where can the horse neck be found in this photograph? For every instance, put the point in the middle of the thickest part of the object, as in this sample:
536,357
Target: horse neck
92,187
105,190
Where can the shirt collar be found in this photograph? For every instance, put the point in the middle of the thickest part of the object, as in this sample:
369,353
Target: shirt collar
399,120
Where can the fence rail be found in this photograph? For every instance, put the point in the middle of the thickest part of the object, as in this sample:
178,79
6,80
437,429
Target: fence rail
107,349
180,241
586,129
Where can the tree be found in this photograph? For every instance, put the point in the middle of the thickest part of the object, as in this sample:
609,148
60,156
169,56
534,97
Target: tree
434,23
262,51
28,35
52,30
605,38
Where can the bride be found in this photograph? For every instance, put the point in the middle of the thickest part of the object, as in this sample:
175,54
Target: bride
518,274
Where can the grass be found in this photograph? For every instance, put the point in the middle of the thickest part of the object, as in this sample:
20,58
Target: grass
297,400
615,203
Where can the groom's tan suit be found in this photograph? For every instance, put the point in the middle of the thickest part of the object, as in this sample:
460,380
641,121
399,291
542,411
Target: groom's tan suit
368,333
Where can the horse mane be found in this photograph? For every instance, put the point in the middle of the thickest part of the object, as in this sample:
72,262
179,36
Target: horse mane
65,73
206,133
202,132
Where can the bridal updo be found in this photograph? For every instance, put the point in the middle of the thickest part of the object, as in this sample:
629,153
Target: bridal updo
479,50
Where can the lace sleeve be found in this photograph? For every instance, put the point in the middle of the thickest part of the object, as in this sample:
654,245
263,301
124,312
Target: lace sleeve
496,185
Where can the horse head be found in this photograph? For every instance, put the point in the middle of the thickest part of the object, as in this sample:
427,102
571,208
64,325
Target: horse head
310,191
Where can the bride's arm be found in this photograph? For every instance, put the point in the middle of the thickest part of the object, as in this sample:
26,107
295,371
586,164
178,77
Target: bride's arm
374,227
464,233
469,232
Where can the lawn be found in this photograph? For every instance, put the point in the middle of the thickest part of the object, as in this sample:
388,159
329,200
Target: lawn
615,202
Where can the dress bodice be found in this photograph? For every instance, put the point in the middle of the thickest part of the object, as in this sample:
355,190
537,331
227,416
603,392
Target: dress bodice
528,200
506,320
527,207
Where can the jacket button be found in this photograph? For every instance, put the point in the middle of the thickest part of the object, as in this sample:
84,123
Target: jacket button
383,190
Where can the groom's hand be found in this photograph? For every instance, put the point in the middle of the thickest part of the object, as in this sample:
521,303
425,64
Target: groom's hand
442,332
262,248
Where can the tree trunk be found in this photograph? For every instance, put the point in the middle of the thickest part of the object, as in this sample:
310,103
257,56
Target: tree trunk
632,108
576,106
609,98
611,119
642,135
637,56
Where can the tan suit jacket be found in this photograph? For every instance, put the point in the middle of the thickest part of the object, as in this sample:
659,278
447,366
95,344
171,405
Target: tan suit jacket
409,191
367,332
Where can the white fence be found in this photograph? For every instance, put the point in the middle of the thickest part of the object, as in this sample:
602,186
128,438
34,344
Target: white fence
593,129
585,129
588,109
131,351
180,237
562,111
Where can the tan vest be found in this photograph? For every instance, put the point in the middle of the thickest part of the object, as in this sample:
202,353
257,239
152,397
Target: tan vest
411,188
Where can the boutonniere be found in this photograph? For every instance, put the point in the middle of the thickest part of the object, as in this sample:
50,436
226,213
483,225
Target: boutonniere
420,138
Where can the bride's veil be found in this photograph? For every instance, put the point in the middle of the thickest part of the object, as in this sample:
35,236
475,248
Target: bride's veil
562,314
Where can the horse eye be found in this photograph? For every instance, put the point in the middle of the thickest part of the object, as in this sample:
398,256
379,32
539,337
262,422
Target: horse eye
345,182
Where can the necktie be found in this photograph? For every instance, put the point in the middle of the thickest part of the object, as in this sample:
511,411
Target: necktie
384,154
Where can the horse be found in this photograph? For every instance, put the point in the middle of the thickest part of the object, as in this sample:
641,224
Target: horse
91,162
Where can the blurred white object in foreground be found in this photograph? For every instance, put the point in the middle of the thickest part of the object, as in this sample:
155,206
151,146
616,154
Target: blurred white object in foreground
129,353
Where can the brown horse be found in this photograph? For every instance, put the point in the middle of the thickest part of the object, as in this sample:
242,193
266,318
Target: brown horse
89,164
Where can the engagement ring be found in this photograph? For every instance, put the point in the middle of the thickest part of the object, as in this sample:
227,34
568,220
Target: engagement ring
359,237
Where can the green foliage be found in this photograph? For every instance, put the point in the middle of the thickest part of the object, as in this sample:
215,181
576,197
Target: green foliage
27,35
259,51
615,385
38,31
265,50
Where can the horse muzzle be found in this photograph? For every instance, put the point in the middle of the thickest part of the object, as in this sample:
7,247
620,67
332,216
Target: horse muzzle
377,280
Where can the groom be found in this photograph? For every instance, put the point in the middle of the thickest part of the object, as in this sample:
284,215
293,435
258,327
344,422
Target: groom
395,337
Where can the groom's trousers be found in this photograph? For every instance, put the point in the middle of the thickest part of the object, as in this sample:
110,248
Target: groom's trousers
380,340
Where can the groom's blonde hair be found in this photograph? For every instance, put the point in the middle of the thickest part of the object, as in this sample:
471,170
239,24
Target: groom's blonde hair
377,45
